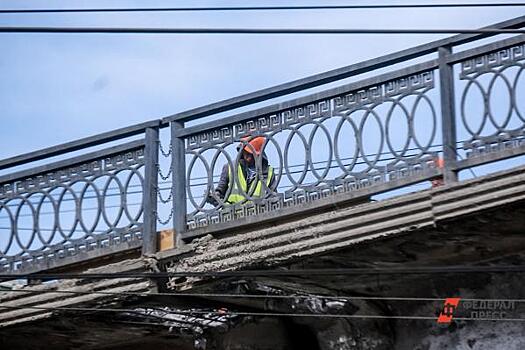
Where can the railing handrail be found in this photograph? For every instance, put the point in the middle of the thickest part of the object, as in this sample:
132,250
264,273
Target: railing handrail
484,49
259,95
309,99
337,74
84,158
79,144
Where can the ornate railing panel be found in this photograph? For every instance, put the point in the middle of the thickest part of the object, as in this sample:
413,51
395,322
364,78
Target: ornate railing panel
341,144
47,216
491,104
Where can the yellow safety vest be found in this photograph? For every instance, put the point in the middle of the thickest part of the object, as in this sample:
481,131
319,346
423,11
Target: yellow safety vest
236,196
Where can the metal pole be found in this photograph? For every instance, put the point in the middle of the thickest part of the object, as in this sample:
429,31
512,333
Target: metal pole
179,182
448,115
151,158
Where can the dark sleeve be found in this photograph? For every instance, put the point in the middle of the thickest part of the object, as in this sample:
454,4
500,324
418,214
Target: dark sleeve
273,182
222,186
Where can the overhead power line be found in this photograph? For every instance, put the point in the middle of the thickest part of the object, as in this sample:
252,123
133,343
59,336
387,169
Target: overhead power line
275,31
222,312
280,273
266,8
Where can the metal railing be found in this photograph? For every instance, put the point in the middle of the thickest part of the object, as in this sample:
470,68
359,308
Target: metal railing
335,146
35,202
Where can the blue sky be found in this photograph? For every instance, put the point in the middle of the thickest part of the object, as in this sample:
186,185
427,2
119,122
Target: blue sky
59,87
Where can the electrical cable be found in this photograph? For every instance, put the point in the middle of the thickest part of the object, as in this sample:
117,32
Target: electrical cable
335,166
302,165
52,230
245,296
218,312
216,176
74,210
251,31
291,166
280,273
225,312
266,8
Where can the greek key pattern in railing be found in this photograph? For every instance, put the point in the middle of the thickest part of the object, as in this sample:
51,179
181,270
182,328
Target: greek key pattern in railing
341,144
70,210
491,104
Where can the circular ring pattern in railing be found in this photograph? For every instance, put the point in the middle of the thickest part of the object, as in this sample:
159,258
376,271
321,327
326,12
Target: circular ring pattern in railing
473,83
433,127
49,218
499,76
485,81
515,86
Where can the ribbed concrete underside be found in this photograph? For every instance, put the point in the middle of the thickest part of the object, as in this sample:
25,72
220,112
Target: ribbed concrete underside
346,227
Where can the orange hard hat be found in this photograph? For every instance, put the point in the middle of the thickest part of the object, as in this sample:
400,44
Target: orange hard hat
440,163
255,144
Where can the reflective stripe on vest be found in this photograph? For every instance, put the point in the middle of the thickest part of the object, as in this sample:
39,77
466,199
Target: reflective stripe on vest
237,196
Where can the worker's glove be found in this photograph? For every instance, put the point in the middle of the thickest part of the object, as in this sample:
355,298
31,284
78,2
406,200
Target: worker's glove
211,198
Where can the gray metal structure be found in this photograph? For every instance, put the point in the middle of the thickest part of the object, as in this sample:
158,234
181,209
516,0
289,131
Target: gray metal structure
353,141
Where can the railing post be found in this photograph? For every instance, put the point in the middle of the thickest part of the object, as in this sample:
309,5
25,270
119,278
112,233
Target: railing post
179,182
448,114
151,159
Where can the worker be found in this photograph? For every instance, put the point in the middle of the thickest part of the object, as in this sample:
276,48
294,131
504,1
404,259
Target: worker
246,175
438,181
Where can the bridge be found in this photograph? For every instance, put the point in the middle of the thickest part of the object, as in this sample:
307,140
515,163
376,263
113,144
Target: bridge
378,181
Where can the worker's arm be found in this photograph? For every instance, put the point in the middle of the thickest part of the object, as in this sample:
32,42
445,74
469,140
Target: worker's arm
220,190
222,186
